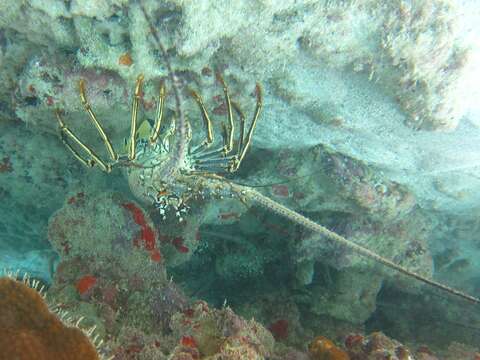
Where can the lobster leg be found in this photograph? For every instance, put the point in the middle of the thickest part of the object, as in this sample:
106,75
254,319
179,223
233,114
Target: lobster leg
159,117
94,120
133,126
67,133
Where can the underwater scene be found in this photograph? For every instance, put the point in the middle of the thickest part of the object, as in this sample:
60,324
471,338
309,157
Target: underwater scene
249,179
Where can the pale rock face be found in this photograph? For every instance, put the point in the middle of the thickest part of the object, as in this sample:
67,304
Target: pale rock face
314,58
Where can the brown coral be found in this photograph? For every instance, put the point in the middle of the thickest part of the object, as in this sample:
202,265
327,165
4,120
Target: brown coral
28,330
322,348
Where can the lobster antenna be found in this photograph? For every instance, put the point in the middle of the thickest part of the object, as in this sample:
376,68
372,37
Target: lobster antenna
180,127
358,249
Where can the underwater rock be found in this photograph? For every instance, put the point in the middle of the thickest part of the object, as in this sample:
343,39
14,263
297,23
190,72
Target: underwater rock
103,227
405,241
351,297
106,225
216,334
319,178
382,46
32,178
374,346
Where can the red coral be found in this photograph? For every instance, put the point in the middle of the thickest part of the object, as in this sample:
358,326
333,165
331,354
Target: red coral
279,329
6,165
147,235
178,243
50,101
189,341
75,198
155,255
136,212
125,59
85,283
353,340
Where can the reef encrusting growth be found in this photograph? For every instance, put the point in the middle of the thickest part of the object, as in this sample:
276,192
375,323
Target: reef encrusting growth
112,272
108,275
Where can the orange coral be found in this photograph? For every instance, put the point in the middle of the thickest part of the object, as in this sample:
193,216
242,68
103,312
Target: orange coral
28,330
125,59
322,348
85,283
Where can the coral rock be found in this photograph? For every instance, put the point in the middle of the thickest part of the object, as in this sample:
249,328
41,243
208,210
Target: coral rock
376,345
219,334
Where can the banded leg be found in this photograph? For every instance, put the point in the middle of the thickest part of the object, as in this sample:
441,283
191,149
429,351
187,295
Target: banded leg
93,119
242,126
207,160
253,125
159,117
67,133
205,144
232,163
228,134
133,126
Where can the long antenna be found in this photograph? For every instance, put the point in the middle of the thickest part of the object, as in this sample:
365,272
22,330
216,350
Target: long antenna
180,124
358,249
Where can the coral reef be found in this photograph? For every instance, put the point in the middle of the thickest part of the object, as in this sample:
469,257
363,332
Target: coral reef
375,345
28,330
378,345
112,271
219,334
107,225
85,227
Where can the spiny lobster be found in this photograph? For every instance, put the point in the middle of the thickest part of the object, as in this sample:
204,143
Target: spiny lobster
169,172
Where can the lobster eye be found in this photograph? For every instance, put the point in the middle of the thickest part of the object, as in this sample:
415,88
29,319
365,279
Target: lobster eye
162,193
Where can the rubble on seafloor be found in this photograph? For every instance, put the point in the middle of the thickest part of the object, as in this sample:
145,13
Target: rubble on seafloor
175,328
